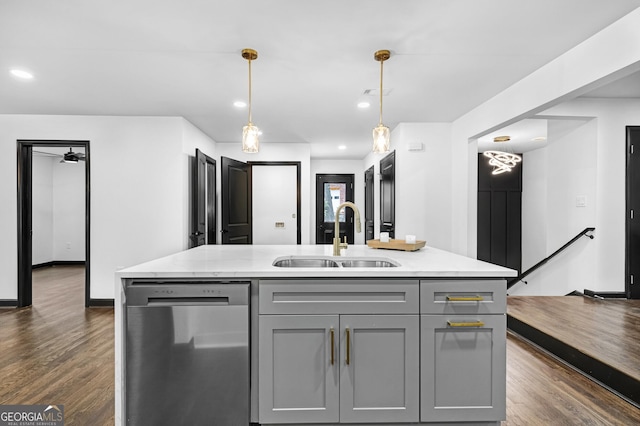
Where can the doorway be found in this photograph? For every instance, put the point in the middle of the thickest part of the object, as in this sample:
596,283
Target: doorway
237,217
368,204
499,238
276,201
632,240
331,191
25,213
388,194
203,202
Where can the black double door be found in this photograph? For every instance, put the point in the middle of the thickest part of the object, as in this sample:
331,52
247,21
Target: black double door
632,261
236,202
368,204
388,194
500,215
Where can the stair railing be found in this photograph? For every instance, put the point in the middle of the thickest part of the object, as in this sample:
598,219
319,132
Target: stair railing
520,277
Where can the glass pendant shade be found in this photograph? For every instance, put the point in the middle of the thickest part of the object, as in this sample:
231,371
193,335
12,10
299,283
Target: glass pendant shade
381,139
250,142
381,134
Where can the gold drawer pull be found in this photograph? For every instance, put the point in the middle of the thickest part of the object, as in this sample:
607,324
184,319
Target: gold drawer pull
465,324
465,298
332,345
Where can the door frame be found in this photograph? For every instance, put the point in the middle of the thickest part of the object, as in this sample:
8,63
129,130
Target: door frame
632,291
319,206
369,202
298,165
388,162
25,217
203,199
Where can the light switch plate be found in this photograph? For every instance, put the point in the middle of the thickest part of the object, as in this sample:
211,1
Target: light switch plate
581,201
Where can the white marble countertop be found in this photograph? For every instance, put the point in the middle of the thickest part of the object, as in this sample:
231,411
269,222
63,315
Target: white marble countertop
255,261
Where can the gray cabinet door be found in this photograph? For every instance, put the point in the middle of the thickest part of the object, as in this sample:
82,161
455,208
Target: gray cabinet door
463,368
297,381
380,382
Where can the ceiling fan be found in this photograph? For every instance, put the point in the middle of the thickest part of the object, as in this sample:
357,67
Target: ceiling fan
72,157
67,157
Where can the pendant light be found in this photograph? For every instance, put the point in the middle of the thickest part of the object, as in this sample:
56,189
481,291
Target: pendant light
250,141
502,161
381,134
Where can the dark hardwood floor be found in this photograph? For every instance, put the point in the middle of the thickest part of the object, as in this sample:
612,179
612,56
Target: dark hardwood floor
58,352
606,329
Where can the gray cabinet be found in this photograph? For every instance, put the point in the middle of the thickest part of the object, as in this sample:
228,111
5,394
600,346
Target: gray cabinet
463,351
380,381
339,367
297,382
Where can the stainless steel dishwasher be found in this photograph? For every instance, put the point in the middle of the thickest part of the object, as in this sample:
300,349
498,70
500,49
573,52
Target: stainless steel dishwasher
187,353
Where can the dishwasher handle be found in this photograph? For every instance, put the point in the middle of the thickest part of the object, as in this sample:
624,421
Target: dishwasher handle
188,301
187,295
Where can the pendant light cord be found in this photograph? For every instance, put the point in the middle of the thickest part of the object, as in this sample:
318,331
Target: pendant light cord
381,64
249,91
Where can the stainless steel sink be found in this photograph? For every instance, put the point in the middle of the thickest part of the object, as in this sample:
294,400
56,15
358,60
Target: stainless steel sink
304,262
368,263
333,262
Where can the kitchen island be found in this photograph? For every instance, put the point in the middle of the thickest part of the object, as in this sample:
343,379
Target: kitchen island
422,341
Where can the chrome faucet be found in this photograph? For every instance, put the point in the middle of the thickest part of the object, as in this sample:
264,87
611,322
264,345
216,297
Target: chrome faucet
337,245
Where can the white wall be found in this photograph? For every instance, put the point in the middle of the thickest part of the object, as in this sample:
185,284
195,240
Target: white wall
554,179
326,166
607,204
138,183
276,152
42,199
610,54
423,182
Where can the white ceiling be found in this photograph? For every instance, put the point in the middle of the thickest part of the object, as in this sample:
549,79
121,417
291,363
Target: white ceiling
182,58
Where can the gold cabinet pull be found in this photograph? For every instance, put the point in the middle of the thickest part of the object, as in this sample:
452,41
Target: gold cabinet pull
465,298
348,333
333,345
465,324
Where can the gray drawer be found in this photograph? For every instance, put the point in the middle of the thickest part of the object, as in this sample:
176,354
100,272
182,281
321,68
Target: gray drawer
338,297
463,297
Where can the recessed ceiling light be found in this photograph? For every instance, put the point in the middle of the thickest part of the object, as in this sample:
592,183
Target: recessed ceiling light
239,104
539,139
25,75
342,147
364,104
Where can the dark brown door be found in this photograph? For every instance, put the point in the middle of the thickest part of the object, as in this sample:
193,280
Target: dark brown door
368,204
331,191
203,224
632,262
388,194
236,202
499,215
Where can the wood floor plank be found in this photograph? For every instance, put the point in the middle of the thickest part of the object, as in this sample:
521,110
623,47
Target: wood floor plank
606,329
61,353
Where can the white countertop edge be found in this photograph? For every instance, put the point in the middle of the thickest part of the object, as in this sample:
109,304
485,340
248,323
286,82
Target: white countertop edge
255,262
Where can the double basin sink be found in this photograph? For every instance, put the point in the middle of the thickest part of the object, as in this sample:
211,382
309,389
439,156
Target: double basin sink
333,262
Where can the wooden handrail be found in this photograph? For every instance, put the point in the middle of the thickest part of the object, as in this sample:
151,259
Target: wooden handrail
519,278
